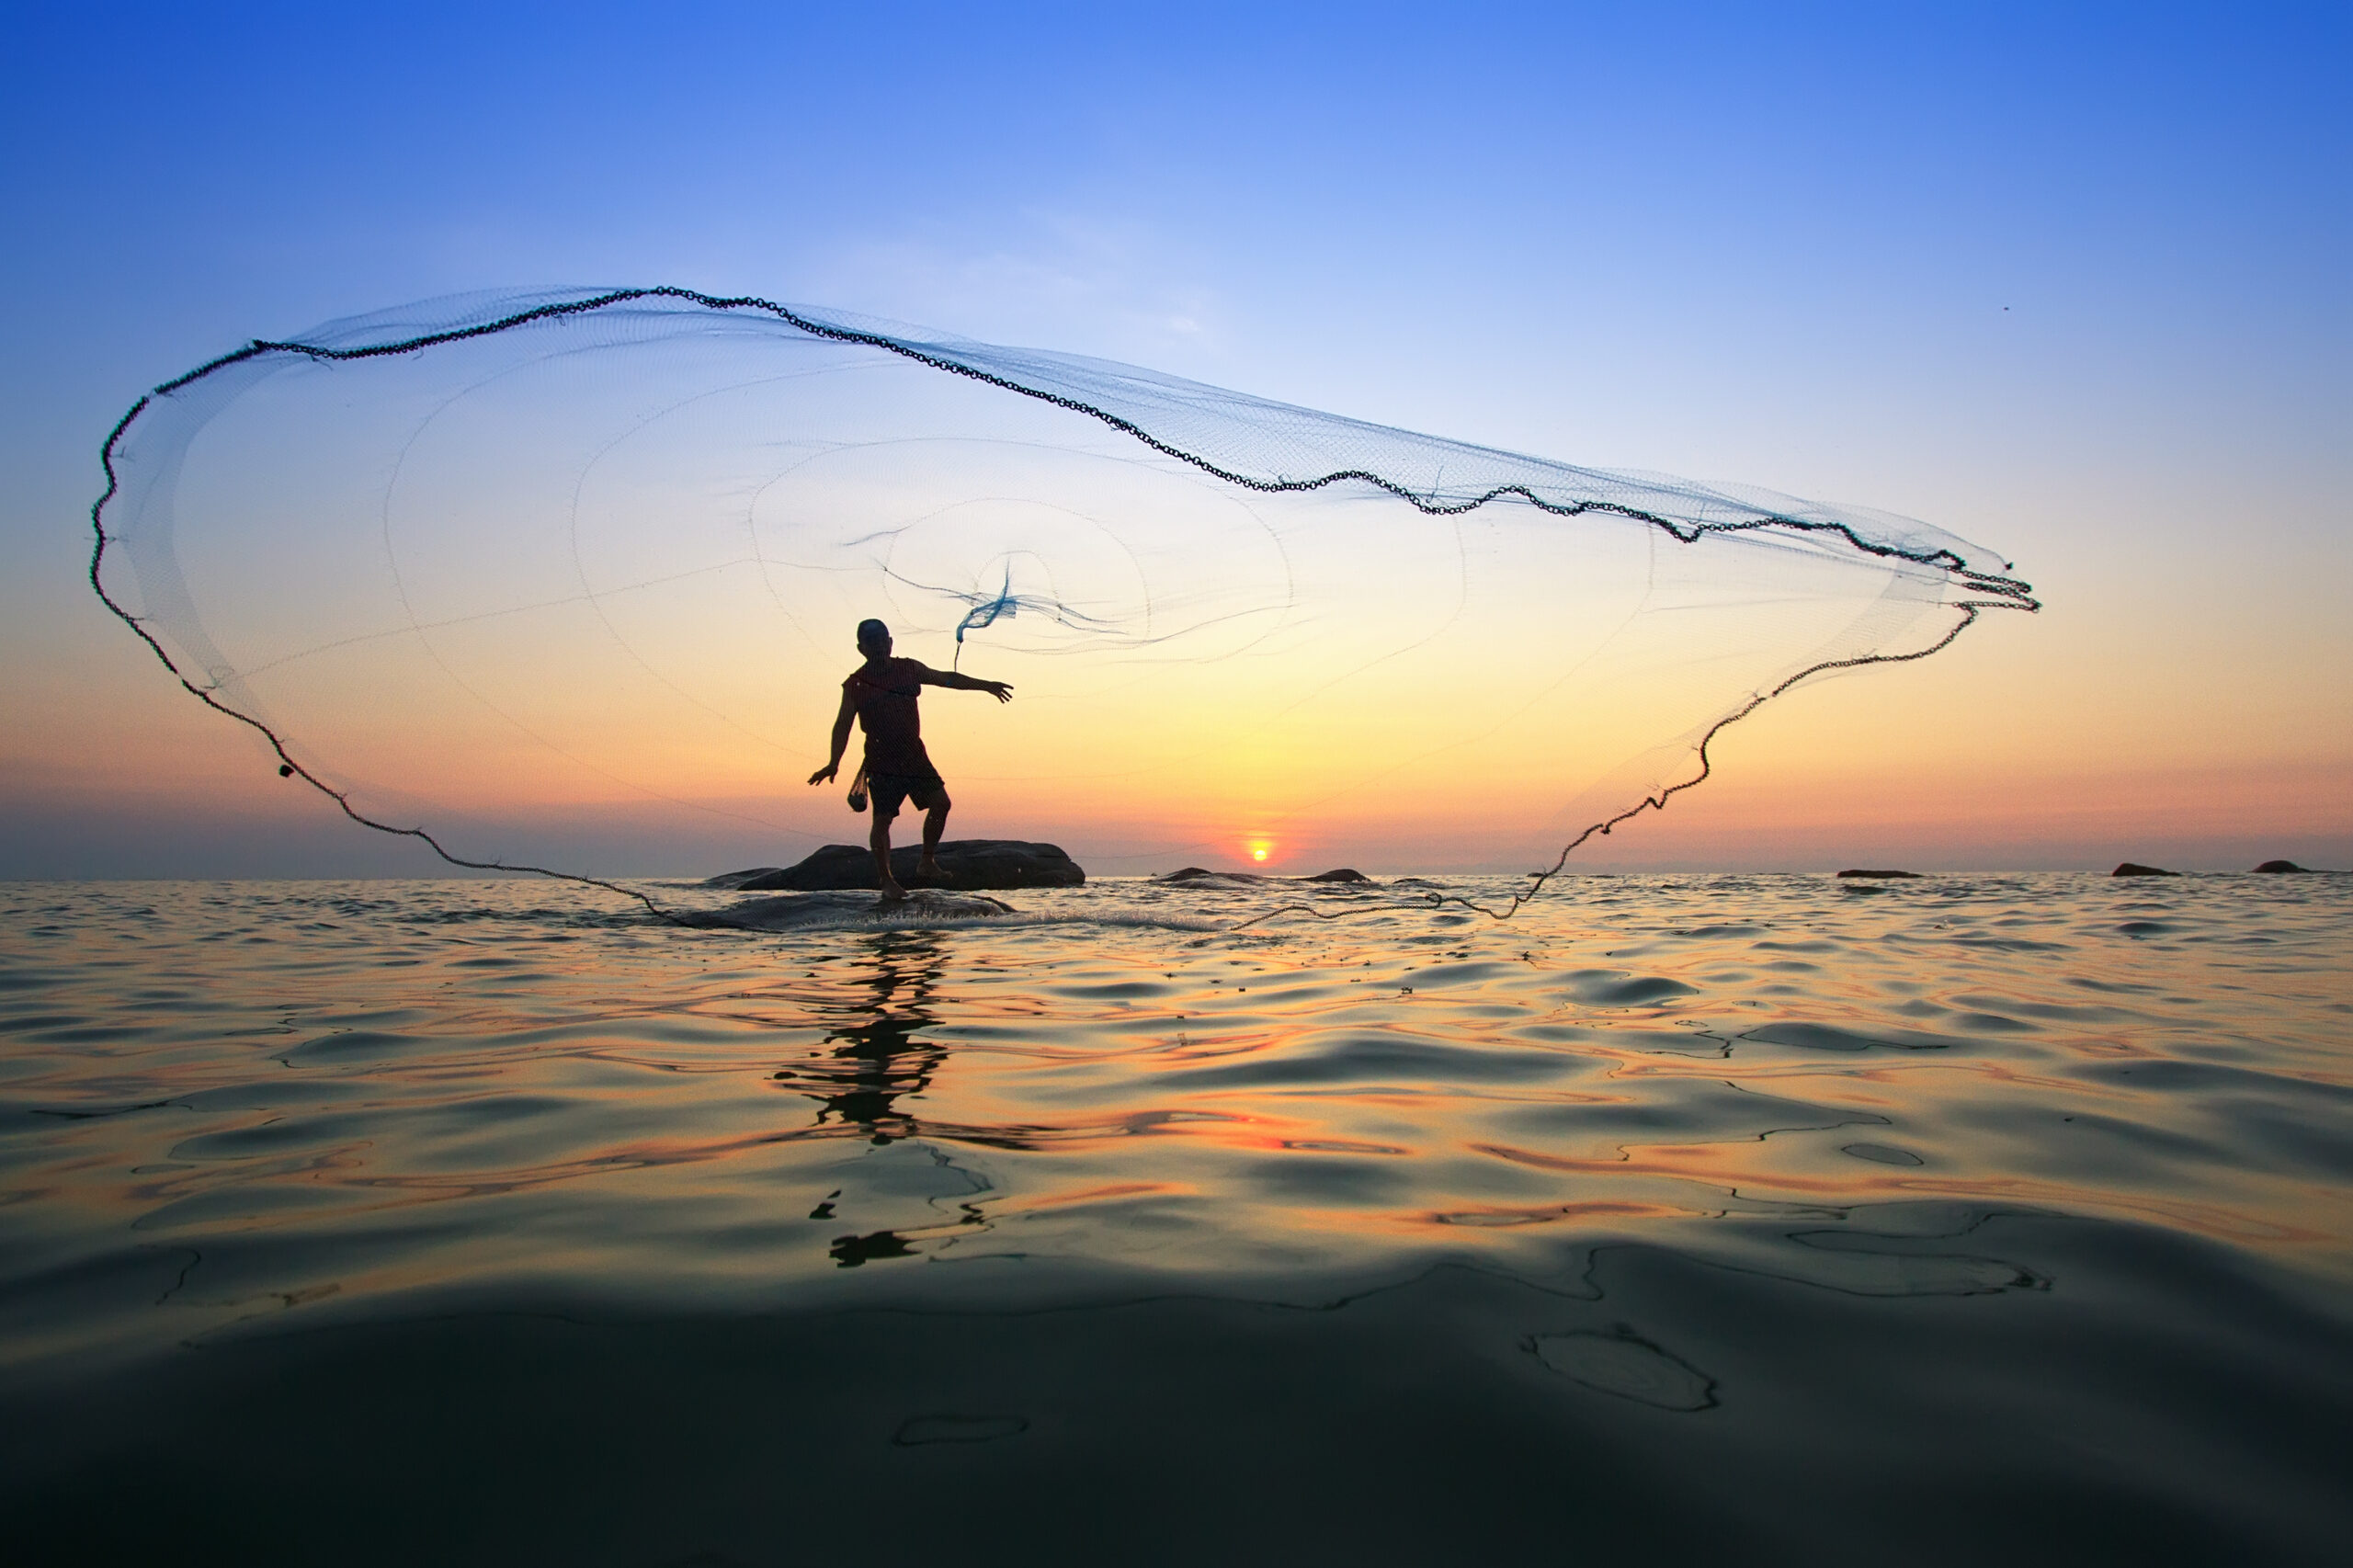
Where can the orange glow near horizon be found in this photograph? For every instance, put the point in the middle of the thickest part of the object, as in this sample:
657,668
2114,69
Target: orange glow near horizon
1330,667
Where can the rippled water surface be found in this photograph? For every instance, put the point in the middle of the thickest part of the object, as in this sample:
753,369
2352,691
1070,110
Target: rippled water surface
469,1221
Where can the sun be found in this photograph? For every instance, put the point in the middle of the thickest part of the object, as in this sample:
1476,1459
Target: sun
1258,849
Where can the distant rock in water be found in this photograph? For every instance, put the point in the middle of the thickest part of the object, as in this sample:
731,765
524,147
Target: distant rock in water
967,863
2277,867
1201,877
2130,869
1202,874
1883,876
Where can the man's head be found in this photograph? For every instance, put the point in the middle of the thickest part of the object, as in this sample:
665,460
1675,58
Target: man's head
873,638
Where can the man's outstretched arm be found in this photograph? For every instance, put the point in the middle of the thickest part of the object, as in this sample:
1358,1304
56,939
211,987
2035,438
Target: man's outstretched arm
841,739
958,682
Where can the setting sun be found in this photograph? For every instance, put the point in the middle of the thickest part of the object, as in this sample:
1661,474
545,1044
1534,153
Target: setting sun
1258,849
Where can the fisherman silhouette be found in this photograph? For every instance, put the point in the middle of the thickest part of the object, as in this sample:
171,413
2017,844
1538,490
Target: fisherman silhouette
881,695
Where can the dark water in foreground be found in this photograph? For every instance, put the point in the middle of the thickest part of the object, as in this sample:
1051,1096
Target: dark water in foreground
462,1222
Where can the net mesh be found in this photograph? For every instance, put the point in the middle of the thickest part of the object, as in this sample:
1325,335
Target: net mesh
565,583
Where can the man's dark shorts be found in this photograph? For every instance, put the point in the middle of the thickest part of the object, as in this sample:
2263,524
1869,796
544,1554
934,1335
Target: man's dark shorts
887,789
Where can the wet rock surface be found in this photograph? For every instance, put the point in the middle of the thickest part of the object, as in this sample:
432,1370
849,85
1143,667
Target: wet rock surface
966,864
790,912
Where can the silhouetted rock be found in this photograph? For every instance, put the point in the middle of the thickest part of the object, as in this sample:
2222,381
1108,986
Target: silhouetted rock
1202,874
1881,876
2275,867
967,863
2130,869
1231,881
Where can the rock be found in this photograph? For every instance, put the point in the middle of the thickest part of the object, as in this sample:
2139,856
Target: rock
2277,867
1202,874
1882,876
2130,869
787,911
967,863
1196,876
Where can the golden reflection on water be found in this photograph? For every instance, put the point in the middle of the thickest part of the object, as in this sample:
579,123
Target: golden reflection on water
330,1091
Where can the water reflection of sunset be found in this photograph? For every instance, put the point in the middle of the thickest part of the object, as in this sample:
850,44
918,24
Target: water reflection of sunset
1607,1062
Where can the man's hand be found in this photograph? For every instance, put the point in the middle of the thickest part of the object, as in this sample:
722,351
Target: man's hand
995,689
824,773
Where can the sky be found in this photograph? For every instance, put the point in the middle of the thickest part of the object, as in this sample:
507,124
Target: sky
2066,281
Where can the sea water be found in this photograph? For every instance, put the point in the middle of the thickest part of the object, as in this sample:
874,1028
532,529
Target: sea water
485,1222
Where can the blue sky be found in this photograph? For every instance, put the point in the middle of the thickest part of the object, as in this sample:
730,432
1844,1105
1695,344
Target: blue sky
2066,279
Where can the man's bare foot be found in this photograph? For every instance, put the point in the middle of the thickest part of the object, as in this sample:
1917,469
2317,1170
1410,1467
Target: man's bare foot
891,892
928,871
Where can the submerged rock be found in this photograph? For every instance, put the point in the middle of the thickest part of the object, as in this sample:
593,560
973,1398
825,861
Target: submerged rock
1882,876
967,863
787,912
2130,869
1338,874
2277,867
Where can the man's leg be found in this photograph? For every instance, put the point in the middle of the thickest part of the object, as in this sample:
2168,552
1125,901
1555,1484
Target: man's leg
880,841
935,822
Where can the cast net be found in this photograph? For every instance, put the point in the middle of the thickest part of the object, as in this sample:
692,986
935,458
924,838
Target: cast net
567,582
